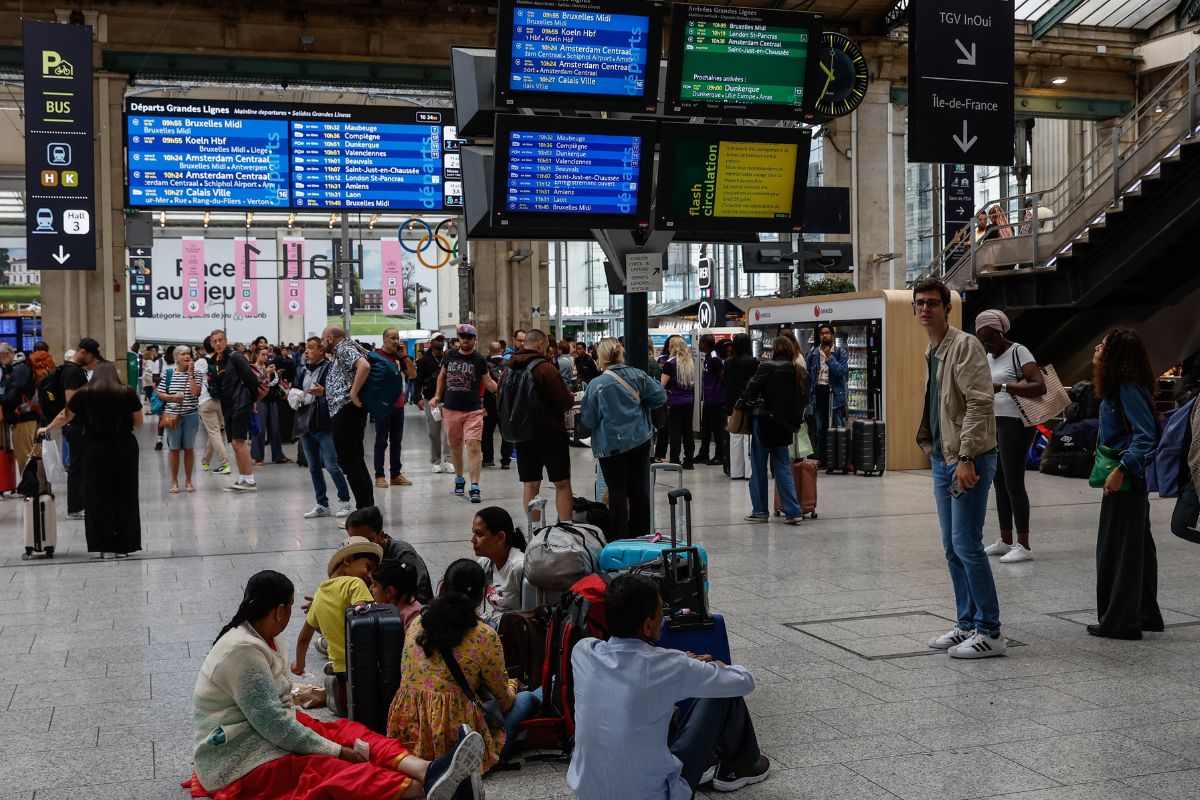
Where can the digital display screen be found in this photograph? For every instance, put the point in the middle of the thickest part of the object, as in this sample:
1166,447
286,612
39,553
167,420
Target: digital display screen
724,178
246,156
8,326
749,60
550,52
563,169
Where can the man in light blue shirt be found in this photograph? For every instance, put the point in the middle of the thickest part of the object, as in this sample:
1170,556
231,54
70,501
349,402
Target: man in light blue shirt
627,744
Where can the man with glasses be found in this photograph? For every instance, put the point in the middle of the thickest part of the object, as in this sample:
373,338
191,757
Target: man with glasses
958,431
390,429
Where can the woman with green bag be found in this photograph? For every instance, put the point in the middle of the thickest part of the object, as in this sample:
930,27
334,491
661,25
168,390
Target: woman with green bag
1126,560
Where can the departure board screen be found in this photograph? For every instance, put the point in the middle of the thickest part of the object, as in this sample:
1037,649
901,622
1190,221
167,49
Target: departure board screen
245,156
588,54
560,170
747,61
727,178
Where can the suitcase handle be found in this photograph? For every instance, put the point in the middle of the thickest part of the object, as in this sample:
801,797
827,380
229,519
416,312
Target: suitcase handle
673,497
692,554
654,470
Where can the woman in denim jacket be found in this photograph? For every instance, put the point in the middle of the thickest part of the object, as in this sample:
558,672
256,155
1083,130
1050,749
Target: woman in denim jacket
1126,560
616,406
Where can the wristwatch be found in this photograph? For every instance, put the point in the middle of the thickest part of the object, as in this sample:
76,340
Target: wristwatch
1120,466
1004,388
966,459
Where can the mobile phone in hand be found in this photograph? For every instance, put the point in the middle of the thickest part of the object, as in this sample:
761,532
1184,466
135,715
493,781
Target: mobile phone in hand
955,489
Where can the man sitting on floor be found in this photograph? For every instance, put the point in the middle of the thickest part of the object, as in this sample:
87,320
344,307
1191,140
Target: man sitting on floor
627,744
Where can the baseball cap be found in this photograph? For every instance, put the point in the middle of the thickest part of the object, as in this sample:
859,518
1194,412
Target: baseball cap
90,346
467,330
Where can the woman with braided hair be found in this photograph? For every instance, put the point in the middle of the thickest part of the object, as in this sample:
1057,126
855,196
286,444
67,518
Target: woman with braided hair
252,743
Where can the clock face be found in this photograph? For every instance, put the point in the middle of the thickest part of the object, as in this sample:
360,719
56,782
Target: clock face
842,73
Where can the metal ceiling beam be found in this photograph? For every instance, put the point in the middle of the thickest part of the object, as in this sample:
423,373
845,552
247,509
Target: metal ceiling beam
1188,12
1060,11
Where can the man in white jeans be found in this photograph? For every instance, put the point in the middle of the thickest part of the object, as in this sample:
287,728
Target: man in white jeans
210,417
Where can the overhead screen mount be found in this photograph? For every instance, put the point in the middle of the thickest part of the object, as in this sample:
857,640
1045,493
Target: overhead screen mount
248,156
597,55
479,169
731,178
573,172
773,257
743,62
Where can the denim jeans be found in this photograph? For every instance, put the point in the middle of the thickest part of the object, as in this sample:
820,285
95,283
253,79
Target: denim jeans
524,707
714,730
319,452
389,430
781,465
962,519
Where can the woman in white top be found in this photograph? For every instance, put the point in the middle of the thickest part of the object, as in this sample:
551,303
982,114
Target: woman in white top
500,549
1014,373
180,390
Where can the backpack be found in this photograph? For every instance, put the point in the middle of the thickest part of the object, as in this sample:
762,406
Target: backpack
560,555
523,636
1168,468
519,406
50,395
383,386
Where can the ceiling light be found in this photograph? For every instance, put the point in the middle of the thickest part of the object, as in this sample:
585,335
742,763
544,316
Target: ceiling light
291,220
1059,81
374,219
162,219
249,218
207,217
1158,109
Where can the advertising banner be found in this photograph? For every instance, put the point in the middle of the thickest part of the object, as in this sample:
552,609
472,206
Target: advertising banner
193,294
293,287
245,264
392,284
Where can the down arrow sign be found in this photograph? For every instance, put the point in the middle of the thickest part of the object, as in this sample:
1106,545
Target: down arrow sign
965,143
61,256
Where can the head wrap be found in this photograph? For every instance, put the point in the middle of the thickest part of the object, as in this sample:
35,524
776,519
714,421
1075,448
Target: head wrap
992,319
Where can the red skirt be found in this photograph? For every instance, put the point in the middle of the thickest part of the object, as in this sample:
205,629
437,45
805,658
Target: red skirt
297,777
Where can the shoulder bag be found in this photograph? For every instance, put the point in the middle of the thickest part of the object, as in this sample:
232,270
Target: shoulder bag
489,706
1107,459
658,416
1037,410
168,419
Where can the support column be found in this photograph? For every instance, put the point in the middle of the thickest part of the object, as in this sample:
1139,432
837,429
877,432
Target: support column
511,279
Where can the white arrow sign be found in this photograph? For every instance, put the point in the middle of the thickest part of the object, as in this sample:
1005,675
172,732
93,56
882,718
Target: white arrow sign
965,143
61,256
969,55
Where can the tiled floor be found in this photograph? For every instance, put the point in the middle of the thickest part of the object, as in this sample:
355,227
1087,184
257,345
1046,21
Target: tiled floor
97,660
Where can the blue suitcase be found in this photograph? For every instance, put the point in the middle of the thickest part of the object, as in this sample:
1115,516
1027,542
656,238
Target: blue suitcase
625,553
702,634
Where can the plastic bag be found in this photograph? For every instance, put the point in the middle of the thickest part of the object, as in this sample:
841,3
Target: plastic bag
52,463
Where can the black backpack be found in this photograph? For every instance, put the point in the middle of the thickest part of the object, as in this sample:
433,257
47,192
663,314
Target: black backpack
51,396
519,406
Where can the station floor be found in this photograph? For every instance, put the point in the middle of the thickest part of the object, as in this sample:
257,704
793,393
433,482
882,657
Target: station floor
98,659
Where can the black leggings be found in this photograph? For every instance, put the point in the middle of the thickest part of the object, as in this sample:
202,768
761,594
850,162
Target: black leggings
628,477
679,424
1013,440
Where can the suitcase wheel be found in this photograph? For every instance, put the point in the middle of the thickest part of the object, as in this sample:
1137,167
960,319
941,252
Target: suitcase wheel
28,554
49,552
813,515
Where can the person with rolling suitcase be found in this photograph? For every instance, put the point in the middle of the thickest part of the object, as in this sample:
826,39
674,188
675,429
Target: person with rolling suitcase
777,395
39,520
828,365
739,369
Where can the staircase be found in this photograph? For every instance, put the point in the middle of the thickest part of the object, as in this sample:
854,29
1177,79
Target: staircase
1121,246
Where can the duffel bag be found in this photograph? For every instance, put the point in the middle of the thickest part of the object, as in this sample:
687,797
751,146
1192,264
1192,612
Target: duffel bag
559,555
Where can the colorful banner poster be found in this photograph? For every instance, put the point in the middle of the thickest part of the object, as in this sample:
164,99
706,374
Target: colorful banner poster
393,277
293,287
246,304
192,272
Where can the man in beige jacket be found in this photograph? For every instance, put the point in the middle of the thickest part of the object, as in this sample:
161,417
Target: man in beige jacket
958,431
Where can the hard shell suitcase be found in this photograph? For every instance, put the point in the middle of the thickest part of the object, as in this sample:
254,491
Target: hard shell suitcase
691,633
374,646
862,434
41,527
680,571
880,446
837,451
625,554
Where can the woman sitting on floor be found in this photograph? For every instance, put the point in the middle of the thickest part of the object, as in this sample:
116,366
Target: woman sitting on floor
252,744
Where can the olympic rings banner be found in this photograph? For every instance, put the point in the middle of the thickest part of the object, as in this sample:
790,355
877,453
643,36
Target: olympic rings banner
446,245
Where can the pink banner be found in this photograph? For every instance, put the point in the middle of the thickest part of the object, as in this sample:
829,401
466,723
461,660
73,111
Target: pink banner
193,276
293,287
393,277
246,304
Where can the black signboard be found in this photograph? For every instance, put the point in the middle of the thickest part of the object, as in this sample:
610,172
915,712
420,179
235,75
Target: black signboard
960,66
958,197
141,283
60,207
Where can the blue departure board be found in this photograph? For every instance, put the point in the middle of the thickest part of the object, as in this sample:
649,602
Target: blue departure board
215,162
553,51
234,155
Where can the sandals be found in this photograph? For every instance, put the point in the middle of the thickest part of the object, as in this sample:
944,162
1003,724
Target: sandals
174,489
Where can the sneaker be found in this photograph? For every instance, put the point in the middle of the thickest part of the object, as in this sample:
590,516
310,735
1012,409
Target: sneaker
980,646
460,486
475,498
448,466
222,470
74,515
952,639
317,511
158,445
400,480
446,774
505,464
728,780
752,517
997,548
794,520
244,486
708,775
489,463
1017,554
382,482
204,466
436,469
344,510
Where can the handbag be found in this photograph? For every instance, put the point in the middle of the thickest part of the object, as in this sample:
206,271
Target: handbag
1107,459
488,705
169,420
157,404
739,422
1037,410
801,445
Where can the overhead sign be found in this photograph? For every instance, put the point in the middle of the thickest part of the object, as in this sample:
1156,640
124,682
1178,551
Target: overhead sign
141,282
960,66
958,198
704,314
59,163
643,272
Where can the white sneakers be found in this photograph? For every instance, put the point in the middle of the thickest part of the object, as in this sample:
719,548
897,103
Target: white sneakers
318,511
448,467
952,639
242,485
980,646
1016,554
344,510
1009,553
436,469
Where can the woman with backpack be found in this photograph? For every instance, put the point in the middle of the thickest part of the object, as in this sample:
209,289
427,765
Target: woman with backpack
1015,373
1126,560
776,397
617,407
679,379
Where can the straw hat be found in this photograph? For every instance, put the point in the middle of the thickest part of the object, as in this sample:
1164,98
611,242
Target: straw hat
352,546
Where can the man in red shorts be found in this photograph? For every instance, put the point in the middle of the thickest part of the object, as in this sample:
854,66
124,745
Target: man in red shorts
459,395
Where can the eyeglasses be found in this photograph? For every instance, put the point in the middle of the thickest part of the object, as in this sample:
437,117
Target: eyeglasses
923,303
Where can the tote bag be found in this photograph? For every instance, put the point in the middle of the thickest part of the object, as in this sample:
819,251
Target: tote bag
1037,410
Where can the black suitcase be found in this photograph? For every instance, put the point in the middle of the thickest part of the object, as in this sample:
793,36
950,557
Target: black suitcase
374,646
863,445
837,450
880,446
